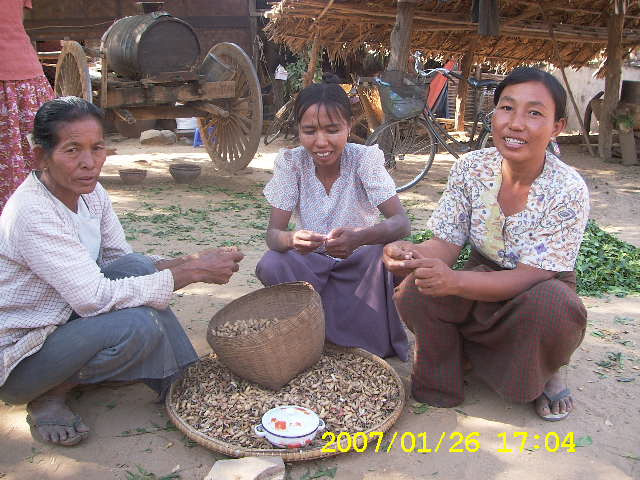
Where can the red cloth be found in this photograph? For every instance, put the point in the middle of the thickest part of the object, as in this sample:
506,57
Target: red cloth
18,59
437,85
515,346
19,102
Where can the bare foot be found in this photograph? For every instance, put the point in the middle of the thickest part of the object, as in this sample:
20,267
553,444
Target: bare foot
556,402
54,421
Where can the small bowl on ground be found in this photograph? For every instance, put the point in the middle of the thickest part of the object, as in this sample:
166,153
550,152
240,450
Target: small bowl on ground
185,172
132,176
289,426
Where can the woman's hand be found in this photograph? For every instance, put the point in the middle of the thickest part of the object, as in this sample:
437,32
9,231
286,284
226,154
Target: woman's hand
214,265
395,256
218,264
434,277
306,241
341,242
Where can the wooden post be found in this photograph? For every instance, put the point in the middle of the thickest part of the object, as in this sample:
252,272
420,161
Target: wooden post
556,51
313,56
313,61
613,66
461,98
401,36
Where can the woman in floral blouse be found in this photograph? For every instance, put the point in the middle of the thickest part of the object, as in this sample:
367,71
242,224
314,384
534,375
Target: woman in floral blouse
512,311
335,192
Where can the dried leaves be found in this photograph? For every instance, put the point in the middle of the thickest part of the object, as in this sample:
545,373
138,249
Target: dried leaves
349,392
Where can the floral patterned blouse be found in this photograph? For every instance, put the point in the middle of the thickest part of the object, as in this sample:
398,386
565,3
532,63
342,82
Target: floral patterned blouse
546,234
363,184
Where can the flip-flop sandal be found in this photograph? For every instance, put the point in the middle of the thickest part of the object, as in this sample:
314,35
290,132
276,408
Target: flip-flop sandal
69,442
555,417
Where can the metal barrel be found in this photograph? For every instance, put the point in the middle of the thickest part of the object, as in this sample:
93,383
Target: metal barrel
146,45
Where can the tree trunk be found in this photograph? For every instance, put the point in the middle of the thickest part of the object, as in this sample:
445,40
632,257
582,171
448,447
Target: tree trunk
313,61
401,36
613,67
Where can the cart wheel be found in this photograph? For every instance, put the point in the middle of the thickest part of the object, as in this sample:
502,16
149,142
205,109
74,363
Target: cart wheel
72,72
233,141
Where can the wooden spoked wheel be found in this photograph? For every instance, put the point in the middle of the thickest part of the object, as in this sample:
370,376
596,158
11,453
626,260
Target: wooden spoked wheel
232,141
72,72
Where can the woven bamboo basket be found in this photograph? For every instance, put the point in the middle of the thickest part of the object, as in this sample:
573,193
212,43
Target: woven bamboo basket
278,353
289,455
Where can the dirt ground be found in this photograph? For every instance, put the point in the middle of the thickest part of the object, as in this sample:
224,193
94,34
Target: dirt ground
164,218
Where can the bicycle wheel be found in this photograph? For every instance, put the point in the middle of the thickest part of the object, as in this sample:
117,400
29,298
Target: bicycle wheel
409,149
485,140
278,124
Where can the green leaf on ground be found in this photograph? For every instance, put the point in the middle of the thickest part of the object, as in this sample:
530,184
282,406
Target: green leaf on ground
143,474
624,320
420,408
631,457
34,453
584,441
168,427
329,472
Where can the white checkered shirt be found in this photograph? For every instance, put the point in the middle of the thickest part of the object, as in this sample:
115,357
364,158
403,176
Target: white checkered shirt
46,273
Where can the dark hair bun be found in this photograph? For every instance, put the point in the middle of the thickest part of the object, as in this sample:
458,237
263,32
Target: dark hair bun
330,78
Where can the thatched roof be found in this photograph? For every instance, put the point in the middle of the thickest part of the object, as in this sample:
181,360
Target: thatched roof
444,28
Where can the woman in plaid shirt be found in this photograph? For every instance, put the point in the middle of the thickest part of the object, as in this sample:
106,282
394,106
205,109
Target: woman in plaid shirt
77,306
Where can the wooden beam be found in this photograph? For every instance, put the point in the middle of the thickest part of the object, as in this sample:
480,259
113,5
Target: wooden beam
401,36
613,66
161,94
461,97
164,111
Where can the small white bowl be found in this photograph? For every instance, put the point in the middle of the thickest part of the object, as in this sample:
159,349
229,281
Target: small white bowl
289,426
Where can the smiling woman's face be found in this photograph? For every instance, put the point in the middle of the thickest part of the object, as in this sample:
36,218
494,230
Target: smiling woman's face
524,122
323,135
73,166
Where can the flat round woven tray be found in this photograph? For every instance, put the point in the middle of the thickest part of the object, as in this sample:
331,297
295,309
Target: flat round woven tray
288,455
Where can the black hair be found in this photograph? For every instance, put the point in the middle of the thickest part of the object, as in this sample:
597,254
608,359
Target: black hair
56,112
530,74
329,77
329,95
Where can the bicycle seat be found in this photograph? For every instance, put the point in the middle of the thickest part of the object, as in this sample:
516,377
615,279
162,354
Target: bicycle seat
486,83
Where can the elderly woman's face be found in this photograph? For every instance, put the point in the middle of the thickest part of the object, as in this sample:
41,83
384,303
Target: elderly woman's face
524,122
74,165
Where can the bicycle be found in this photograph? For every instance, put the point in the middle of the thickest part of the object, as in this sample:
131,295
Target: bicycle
414,130
283,123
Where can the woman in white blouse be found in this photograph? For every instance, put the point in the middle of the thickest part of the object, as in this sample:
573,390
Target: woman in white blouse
335,192
76,305
513,309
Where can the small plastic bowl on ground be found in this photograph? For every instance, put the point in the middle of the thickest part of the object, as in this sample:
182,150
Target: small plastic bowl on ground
185,172
132,176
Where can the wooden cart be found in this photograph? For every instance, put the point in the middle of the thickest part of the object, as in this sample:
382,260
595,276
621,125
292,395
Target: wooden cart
223,91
